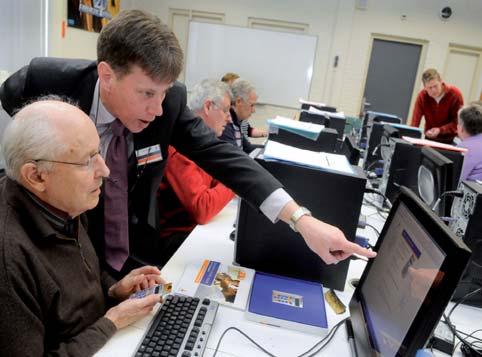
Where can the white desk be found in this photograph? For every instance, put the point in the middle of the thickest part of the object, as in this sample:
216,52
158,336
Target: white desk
212,242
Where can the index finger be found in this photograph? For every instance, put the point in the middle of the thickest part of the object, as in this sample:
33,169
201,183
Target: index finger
355,248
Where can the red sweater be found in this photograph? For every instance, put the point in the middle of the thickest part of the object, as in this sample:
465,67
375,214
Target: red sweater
441,115
188,195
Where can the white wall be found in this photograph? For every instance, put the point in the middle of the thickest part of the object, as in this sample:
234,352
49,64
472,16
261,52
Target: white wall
342,31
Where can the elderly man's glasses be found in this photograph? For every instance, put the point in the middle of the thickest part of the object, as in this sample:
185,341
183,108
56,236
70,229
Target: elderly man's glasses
224,110
89,164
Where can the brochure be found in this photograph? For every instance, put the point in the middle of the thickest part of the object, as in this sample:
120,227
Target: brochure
229,285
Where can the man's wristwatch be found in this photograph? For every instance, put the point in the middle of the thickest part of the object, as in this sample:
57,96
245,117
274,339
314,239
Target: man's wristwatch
300,212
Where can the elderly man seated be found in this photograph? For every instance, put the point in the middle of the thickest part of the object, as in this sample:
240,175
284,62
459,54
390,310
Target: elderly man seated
54,297
188,195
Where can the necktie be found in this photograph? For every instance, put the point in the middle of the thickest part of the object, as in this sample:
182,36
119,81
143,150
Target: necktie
116,224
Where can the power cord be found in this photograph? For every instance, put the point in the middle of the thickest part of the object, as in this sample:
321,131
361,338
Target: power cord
385,198
468,346
316,347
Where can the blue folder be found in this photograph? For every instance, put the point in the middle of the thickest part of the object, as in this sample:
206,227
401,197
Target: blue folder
279,298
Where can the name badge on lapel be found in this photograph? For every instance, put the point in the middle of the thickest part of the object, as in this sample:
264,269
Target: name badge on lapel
148,155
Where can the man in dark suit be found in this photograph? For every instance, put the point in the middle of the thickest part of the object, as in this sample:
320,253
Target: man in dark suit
133,86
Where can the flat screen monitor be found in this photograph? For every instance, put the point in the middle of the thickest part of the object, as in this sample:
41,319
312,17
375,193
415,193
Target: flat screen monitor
405,289
434,178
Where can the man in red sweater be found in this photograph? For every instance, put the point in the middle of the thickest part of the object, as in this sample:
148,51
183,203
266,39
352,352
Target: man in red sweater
188,195
439,103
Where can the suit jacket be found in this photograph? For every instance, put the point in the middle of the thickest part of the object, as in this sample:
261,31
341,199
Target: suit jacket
177,126
229,134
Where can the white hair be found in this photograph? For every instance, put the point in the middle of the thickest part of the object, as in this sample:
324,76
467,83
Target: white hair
208,89
241,89
29,137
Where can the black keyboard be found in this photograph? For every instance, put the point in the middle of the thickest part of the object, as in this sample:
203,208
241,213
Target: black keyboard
180,328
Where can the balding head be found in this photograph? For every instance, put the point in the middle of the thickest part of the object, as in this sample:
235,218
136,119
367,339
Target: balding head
39,131
50,148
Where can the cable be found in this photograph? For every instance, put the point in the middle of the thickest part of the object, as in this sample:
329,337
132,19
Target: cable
385,198
372,227
327,338
452,327
446,193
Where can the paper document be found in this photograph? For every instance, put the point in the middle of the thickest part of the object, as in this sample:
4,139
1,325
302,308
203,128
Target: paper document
320,160
313,110
433,144
308,130
302,101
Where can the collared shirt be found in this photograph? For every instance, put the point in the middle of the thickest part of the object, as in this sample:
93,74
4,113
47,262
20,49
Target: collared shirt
271,206
102,120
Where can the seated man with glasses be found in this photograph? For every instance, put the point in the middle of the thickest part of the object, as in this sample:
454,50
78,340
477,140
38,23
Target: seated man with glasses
243,106
54,297
188,195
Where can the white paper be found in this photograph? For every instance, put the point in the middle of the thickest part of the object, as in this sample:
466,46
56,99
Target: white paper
314,110
322,160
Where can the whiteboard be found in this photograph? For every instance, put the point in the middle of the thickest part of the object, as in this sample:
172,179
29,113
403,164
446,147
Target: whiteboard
278,64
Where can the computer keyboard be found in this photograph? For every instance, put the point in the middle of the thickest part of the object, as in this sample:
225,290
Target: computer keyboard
180,328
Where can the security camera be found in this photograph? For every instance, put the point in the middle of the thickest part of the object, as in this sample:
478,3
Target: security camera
446,13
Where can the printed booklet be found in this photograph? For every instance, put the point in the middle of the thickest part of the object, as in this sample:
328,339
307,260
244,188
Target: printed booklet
229,285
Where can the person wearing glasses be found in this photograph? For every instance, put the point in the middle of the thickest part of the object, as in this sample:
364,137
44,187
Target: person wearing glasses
139,109
55,298
247,130
243,106
188,195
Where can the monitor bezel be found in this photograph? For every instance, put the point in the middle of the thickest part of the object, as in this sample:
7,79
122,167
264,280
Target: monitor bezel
433,306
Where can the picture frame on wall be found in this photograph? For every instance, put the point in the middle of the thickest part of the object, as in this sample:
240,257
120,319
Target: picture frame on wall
91,15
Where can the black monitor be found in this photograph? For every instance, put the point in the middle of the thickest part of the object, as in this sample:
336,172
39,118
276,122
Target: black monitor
404,291
326,141
435,175
367,123
315,118
349,148
329,121
326,108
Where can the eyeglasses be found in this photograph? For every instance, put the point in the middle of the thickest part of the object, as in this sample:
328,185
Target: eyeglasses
89,164
224,110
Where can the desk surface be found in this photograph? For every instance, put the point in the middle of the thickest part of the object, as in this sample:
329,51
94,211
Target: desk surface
211,241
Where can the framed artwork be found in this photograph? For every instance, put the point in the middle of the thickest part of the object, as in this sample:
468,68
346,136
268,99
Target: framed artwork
91,15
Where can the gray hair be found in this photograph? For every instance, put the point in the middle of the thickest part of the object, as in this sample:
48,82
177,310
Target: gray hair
208,89
241,89
31,136
470,117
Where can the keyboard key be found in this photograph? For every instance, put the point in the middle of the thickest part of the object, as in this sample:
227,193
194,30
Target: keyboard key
206,301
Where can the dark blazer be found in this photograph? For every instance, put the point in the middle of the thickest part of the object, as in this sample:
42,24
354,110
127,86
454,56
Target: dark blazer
177,126
229,133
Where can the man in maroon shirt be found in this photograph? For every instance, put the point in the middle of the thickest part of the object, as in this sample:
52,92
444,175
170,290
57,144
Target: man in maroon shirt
439,104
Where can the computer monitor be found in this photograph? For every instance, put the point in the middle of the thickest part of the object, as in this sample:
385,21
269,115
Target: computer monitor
349,148
434,178
369,118
393,130
315,118
330,121
326,108
326,141
405,289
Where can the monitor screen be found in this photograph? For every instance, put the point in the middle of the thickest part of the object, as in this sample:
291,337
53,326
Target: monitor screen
405,289
408,263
